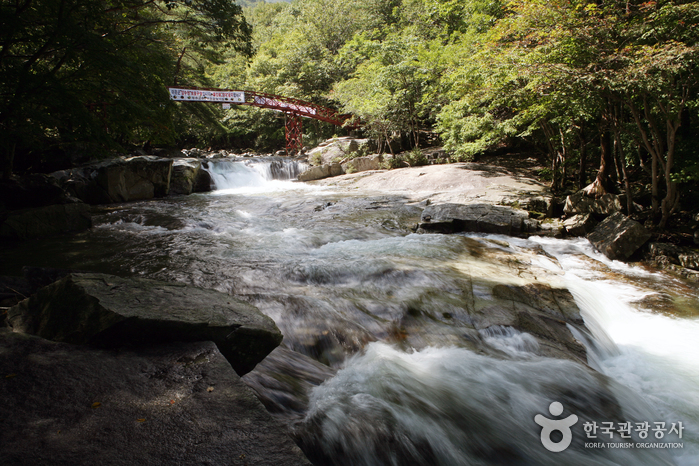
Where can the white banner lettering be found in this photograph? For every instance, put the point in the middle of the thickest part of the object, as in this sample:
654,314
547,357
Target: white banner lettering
197,95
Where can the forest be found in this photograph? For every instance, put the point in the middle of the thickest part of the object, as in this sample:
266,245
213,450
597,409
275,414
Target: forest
604,92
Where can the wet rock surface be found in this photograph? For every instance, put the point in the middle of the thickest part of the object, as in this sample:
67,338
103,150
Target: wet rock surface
110,311
173,404
283,381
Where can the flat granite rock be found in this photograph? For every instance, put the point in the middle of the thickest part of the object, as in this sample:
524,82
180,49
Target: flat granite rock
484,218
108,311
166,405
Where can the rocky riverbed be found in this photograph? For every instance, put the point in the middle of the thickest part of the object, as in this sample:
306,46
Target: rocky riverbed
369,301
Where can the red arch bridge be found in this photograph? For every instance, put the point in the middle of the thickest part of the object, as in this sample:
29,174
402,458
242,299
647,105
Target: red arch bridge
294,109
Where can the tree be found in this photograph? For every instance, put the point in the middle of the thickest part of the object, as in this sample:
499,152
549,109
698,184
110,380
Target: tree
79,71
562,67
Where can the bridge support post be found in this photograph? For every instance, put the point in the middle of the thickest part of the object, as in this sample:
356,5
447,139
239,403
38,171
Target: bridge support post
294,133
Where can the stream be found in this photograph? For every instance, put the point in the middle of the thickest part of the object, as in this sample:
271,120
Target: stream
402,348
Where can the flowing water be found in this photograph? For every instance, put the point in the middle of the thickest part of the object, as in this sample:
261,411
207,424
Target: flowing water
386,357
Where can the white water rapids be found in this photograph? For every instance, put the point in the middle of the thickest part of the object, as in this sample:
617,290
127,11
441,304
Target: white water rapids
381,363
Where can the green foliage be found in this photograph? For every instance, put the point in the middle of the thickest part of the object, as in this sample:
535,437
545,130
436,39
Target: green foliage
415,157
392,162
77,71
317,159
556,75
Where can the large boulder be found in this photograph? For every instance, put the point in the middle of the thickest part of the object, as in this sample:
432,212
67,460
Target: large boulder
337,149
184,175
484,218
361,164
320,172
110,311
119,180
580,203
45,221
171,404
618,236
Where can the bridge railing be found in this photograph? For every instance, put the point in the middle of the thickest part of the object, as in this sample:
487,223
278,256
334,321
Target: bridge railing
294,109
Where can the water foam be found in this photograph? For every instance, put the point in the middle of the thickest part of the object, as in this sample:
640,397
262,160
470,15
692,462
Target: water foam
249,176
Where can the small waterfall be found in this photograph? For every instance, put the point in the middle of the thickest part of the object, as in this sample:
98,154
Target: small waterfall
651,354
253,173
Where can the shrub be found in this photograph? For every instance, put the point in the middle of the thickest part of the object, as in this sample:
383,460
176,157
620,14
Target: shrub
416,158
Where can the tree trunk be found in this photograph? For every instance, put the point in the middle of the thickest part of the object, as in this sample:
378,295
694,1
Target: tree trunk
661,146
601,185
583,157
178,65
553,153
621,160
563,159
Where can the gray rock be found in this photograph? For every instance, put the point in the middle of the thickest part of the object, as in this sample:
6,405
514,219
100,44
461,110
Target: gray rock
663,254
315,173
551,227
689,260
170,404
184,175
336,169
556,302
338,148
119,180
537,204
110,311
320,172
618,236
203,183
580,225
484,218
46,221
579,203
284,380
361,164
